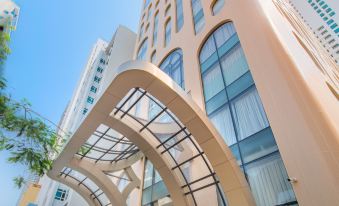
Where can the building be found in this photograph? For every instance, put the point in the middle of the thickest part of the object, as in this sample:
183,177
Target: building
225,103
322,18
9,15
94,79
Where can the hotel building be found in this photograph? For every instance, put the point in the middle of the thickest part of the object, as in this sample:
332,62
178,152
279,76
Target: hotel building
221,103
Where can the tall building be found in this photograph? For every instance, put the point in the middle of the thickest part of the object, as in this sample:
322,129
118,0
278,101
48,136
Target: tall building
322,17
224,103
94,78
9,15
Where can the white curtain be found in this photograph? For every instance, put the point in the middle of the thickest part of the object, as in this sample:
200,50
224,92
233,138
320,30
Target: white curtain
249,114
213,82
207,50
223,122
268,181
234,64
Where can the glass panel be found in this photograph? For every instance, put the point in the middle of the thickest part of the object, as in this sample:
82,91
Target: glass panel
180,15
148,174
212,82
216,102
168,33
258,145
147,195
223,33
234,64
249,114
217,6
207,50
268,181
142,51
222,120
159,191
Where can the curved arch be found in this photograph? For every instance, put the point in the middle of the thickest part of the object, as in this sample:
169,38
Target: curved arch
147,76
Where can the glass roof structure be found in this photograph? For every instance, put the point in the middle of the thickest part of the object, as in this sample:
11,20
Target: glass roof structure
176,143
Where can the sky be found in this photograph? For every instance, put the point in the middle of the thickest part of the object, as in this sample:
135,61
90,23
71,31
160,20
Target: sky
49,50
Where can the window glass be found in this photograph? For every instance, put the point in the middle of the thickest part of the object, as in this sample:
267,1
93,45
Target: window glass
142,51
153,57
198,16
207,50
155,31
249,114
217,6
180,15
168,32
173,66
224,33
212,82
268,181
148,174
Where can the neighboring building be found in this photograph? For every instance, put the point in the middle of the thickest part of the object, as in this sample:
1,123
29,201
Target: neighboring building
322,17
95,77
30,191
9,15
225,103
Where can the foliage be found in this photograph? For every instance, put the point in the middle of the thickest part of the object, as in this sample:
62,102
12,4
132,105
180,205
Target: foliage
27,138
19,181
4,48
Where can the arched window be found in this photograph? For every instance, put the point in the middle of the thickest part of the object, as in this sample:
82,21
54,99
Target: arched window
173,66
142,50
198,16
155,28
217,6
234,107
180,15
168,30
153,57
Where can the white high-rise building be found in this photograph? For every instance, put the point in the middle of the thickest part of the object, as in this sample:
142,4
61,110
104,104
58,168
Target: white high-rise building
96,76
322,17
9,15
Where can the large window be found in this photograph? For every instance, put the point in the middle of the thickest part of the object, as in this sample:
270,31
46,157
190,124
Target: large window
198,16
234,107
168,30
142,51
180,15
155,28
217,6
154,188
173,66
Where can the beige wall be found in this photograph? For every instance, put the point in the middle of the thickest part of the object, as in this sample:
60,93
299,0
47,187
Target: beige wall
302,111
30,195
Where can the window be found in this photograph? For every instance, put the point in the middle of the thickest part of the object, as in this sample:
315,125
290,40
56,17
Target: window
149,12
167,11
180,15
153,57
142,51
218,4
154,187
141,31
93,89
330,21
100,70
235,109
147,26
198,16
90,100
155,29
84,111
332,13
167,32
60,194
97,79
334,25
102,61
147,2
173,67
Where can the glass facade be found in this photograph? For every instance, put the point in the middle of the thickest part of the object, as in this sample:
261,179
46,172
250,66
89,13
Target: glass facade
198,16
218,4
234,106
154,188
155,28
173,66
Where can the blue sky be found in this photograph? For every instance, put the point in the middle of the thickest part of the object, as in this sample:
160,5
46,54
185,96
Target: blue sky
49,49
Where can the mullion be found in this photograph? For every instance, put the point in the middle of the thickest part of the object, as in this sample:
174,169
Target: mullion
136,101
188,160
198,180
109,149
200,188
81,182
127,151
169,138
93,193
173,145
123,104
94,144
114,139
115,159
154,118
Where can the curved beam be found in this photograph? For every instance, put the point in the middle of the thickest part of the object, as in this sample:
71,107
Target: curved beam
80,189
99,178
135,182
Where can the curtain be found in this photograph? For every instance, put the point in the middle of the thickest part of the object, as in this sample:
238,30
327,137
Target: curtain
268,181
213,82
223,122
234,64
249,114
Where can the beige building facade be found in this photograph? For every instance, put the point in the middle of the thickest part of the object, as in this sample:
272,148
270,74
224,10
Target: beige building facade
226,103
